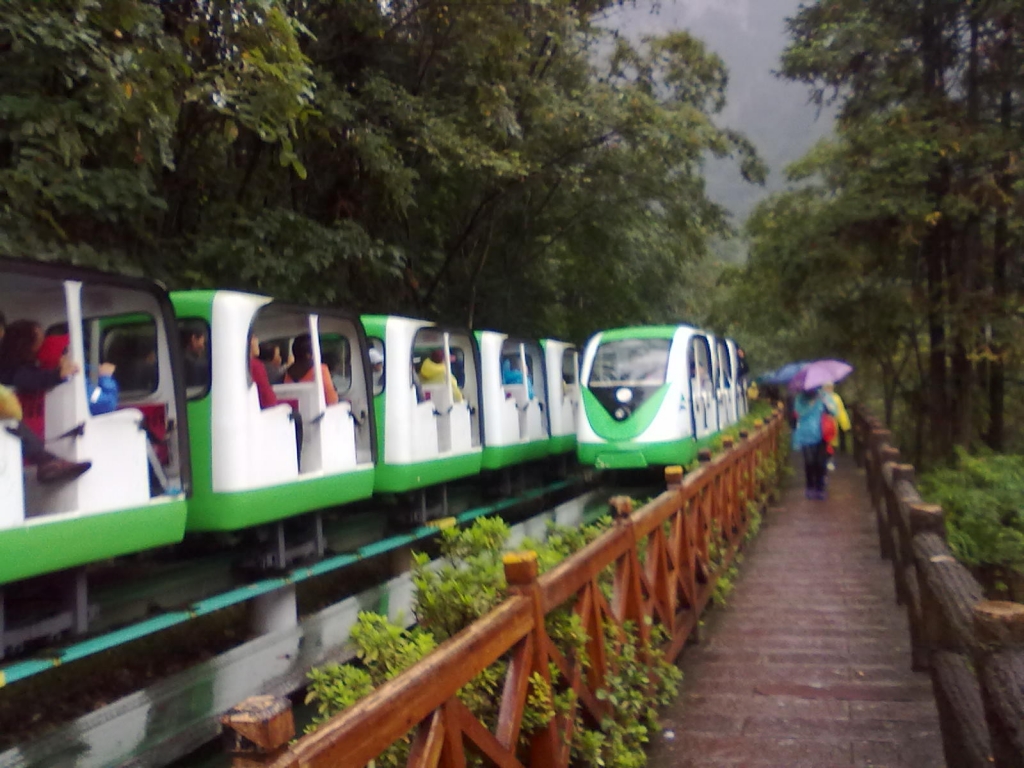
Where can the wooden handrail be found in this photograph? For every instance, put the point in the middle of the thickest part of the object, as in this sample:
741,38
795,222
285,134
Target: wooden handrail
670,585
973,648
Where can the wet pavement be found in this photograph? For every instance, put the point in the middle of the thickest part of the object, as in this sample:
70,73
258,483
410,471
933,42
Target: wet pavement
809,662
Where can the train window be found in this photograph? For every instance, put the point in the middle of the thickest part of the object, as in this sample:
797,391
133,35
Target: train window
724,364
129,343
634,362
570,360
376,364
336,354
194,336
700,362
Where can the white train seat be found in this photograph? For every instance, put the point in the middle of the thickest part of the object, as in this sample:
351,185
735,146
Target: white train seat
328,436
12,485
425,445
272,458
114,442
462,428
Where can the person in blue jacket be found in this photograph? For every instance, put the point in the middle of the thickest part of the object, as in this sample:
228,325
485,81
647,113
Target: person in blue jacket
510,375
104,394
808,409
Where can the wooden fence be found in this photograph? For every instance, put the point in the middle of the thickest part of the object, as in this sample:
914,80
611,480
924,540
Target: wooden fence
972,647
662,557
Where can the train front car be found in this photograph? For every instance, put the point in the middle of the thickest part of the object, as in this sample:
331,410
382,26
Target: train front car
563,373
132,497
311,451
427,403
648,397
515,395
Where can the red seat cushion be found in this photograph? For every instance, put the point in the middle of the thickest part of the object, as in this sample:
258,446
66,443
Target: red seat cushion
154,416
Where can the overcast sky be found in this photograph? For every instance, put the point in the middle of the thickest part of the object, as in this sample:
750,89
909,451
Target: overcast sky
775,114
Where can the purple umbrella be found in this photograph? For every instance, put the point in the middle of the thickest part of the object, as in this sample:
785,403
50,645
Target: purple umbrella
814,375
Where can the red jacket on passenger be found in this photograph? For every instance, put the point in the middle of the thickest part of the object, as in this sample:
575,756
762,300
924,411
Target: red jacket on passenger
259,376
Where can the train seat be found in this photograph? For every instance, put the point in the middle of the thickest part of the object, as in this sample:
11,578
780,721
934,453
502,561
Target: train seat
328,436
114,442
272,457
423,429
535,429
462,428
440,396
12,486
154,420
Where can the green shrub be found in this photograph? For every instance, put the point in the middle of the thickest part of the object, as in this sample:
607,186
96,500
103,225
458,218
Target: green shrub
983,498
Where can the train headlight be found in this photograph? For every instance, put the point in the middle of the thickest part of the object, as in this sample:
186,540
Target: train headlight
621,413
624,395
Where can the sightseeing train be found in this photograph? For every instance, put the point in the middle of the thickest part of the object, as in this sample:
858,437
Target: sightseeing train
655,395
385,405
388,405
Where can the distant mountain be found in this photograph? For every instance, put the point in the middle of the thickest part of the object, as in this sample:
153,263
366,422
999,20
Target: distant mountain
775,114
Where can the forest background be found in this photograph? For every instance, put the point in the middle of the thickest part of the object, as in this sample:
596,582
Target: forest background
521,165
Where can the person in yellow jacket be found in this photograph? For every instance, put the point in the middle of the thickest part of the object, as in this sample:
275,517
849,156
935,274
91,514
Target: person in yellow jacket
843,424
432,371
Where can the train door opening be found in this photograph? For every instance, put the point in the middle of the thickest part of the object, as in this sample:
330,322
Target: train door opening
702,394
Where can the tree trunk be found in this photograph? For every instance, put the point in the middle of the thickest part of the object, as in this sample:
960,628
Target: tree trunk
1000,261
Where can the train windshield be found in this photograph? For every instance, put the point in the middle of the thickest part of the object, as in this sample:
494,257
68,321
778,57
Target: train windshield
630,362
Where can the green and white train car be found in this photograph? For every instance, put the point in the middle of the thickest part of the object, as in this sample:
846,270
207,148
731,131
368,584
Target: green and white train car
654,395
113,508
249,468
563,394
517,427
428,424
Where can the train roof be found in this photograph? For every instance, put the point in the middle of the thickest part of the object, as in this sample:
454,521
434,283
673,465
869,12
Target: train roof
643,332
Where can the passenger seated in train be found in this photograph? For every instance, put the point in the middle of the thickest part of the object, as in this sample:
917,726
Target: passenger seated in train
267,396
270,356
511,374
103,396
302,369
135,360
20,369
332,359
258,374
49,468
197,366
377,369
432,371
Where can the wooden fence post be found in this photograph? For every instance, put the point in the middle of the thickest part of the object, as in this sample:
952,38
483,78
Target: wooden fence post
999,629
258,730
521,576
922,518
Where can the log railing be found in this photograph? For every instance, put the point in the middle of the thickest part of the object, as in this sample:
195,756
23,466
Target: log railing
664,565
972,647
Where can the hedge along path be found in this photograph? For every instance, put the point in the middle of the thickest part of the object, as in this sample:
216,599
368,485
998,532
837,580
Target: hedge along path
664,571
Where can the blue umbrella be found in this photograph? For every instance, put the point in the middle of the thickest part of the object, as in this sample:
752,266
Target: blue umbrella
785,373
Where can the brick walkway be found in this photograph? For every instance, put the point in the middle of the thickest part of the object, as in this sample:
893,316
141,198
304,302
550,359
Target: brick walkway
809,664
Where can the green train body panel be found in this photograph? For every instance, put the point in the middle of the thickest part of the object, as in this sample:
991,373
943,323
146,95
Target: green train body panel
45,547
628,454
399,478
561,444
605,425
640,332
243,509
501,456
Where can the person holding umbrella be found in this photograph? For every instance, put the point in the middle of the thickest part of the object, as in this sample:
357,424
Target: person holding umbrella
810,406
